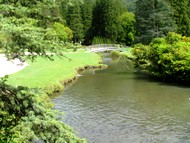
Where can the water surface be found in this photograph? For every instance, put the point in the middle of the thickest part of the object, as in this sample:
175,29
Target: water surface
114,106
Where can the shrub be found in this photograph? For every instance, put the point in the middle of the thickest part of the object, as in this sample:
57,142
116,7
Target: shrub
27,115
115,54
165,58
173,37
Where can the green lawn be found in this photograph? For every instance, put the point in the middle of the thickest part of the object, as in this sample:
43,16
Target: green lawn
44,73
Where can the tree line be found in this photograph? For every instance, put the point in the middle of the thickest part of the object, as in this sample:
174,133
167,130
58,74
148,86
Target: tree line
127,22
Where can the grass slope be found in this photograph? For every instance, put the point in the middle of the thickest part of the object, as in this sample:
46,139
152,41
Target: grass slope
44,73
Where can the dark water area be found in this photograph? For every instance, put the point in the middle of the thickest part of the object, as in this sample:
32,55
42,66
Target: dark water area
114,106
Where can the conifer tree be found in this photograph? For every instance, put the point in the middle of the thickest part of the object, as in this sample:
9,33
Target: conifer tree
153,19
181,15
105,19
74,21
87,8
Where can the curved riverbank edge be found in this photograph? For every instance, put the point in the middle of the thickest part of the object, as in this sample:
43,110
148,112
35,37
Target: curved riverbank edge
58,87
52,75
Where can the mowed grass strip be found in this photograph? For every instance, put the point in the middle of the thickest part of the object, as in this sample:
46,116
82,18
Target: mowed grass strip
44,73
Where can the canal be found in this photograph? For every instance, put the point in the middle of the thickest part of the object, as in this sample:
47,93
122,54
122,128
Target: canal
116,106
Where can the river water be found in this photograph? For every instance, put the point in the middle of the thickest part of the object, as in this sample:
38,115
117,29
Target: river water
115,106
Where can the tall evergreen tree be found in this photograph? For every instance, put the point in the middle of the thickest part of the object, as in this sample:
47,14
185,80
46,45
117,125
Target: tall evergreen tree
182,15
105,19
87,8
74,21
153,19
129,4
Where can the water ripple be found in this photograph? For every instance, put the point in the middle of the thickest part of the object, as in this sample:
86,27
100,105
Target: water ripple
111,108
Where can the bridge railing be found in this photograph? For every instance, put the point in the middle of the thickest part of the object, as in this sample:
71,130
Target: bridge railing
104,46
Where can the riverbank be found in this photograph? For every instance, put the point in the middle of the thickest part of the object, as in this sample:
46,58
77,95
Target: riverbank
51,75
116,106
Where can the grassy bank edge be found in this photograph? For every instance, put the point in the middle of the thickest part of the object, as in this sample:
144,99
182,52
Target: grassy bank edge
80,61
59,86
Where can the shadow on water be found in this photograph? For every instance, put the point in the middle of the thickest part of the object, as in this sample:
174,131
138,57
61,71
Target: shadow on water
128,67
147,77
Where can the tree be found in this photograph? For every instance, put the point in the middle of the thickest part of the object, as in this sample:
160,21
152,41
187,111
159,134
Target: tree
181,15
153,19
129,4
127,35
87,8
105,19
23,29
63,32
74,21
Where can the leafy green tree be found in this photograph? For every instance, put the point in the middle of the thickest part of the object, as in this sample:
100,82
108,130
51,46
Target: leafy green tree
74,21
45,11
153,19
63,32
127,34
181,15
21,36
23,29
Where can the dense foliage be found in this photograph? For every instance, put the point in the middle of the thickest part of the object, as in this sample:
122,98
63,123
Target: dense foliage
31,28
153,18
101,19
105,19
87,9
181,15
165,58
127,34
74,21
26,115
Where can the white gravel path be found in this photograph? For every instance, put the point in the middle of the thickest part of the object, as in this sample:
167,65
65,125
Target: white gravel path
10,67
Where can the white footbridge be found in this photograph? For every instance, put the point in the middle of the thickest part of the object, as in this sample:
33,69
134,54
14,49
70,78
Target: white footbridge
104,48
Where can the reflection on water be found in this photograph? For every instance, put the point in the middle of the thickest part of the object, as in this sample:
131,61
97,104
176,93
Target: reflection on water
113,106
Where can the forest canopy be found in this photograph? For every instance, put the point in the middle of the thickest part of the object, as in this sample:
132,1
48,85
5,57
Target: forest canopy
144,20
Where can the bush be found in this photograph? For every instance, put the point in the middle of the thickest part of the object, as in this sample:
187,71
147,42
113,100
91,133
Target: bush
27,115
115,54
141,53
173,37
165,58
